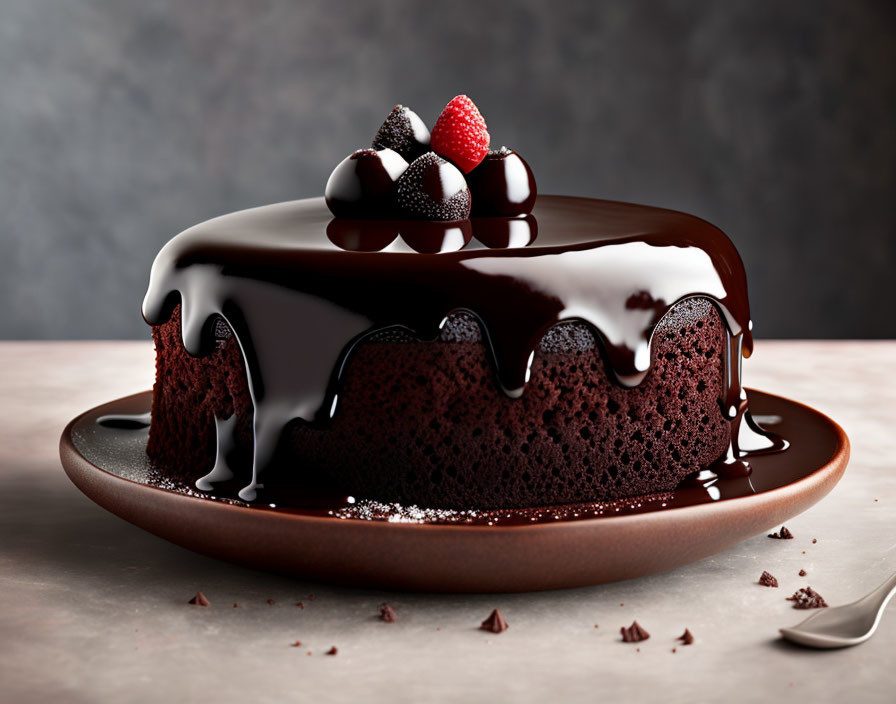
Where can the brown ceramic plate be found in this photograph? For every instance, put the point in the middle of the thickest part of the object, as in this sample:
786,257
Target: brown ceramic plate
582,548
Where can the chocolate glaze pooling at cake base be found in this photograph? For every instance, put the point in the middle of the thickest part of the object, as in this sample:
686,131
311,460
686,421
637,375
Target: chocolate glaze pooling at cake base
121,450
275,273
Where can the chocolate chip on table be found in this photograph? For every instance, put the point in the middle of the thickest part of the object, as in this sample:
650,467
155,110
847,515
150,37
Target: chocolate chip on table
634,633
199,600
495,623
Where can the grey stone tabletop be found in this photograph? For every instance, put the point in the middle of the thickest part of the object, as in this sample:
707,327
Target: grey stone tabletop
94,609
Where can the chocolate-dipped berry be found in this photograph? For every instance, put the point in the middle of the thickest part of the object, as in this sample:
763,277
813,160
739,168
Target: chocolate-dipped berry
404,132
363,184
433,189
503,185
460,134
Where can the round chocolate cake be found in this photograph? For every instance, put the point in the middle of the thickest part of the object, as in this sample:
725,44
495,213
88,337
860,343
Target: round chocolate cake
588,351
548,350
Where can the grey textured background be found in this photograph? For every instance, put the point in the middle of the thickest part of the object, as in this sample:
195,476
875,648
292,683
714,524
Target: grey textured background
122,123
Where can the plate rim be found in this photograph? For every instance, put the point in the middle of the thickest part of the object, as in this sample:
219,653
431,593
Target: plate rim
446,557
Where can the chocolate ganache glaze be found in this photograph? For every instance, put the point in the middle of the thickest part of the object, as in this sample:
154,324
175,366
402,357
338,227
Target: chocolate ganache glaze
299,289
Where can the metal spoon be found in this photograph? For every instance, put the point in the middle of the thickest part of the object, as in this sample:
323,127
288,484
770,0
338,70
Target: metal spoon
842,626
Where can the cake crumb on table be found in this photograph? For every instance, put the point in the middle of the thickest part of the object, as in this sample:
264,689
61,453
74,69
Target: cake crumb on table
387,613
783,534
807,598
766,579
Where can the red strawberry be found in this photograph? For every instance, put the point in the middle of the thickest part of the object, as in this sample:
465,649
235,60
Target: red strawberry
460,134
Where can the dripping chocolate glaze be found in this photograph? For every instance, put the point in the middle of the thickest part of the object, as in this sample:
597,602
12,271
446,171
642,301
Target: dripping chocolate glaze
299,289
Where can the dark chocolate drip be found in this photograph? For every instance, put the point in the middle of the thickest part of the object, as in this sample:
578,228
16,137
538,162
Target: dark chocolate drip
733,402
299,291
221,471
747,437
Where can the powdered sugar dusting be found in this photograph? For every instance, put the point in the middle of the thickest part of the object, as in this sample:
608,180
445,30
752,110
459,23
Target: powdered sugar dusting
397,513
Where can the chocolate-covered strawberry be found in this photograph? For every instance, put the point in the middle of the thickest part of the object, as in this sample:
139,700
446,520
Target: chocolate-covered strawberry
363,184
404,132
502,185
433,189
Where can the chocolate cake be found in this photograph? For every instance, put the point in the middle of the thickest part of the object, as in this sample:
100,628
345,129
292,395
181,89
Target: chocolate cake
586,350
520,398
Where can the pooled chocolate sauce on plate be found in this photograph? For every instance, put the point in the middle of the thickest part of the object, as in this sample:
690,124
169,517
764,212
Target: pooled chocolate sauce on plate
121,450
136,421
299,290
